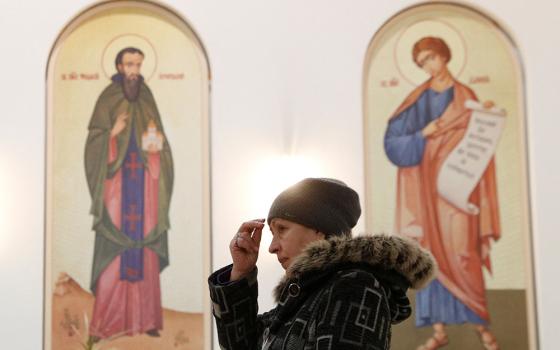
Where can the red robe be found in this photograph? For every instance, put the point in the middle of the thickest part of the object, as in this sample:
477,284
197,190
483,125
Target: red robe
123,307
460,242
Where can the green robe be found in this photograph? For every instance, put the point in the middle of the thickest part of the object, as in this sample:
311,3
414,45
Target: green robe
109,241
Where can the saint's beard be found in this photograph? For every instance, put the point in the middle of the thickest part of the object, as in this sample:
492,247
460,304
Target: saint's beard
131,88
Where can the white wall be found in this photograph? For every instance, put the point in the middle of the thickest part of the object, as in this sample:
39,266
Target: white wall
277,66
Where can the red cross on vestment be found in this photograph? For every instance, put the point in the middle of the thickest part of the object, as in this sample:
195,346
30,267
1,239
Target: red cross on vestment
133,165
132,218
132,272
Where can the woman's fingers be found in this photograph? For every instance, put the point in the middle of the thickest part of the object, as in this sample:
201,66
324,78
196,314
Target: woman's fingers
257,234
247,244
249,226
251,231
248,238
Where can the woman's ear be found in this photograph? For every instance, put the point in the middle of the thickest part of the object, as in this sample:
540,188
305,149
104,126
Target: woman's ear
320,234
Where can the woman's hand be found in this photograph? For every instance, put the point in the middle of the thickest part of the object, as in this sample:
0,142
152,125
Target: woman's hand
244,248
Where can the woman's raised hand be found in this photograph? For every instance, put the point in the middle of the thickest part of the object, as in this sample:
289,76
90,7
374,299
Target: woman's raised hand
244,248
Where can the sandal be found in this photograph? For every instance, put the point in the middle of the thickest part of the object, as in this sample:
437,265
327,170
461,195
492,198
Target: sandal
436,341
487,339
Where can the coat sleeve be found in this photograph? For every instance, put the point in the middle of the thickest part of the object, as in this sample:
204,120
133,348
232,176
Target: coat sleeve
235,309
355,314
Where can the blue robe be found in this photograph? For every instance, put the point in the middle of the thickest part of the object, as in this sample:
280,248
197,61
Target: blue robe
404,142
132,220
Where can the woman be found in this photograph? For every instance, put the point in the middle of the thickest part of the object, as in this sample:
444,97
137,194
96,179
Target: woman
338,292
422,132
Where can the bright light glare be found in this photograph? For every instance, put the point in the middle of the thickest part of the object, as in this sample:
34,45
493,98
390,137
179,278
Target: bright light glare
275,174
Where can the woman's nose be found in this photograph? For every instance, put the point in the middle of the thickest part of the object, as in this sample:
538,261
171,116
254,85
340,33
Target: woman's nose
273,248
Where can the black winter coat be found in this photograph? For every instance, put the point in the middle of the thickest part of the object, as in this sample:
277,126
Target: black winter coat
341,293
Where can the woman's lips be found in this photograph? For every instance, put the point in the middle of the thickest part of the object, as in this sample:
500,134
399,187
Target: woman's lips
282,260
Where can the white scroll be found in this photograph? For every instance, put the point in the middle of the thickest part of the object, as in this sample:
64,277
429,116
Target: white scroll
465,165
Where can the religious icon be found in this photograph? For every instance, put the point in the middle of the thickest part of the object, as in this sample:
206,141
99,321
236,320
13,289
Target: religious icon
127,214
437,164
131,189
420,136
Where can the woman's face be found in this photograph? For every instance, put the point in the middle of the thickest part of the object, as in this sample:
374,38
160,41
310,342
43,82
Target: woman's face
431,62
289,239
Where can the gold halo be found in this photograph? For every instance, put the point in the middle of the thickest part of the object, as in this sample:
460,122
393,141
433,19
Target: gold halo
129,40
418,30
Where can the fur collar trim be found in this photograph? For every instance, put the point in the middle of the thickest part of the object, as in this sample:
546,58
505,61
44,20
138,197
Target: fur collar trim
389,253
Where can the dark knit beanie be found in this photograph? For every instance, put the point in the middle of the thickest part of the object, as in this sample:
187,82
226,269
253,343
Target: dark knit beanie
327,205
